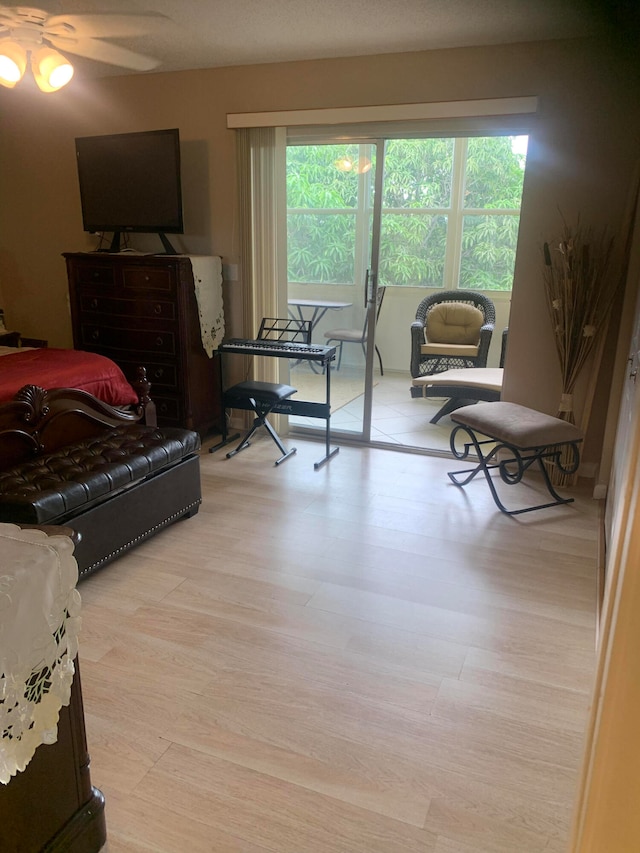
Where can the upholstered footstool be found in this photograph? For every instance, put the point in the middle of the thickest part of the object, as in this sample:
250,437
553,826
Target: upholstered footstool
521,437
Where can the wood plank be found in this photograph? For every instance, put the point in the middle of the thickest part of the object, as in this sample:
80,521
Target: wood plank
358,659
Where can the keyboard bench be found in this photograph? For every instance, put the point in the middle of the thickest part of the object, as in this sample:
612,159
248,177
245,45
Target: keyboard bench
521,437
260,398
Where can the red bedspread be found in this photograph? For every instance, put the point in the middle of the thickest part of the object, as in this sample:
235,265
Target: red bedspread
65,368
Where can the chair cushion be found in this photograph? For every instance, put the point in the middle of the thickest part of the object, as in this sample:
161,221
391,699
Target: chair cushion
488,378
348,335
454,323
451,350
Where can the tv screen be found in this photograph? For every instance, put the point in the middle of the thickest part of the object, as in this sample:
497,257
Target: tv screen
131,182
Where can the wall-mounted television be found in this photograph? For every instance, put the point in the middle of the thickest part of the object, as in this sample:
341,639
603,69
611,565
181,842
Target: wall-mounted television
131,182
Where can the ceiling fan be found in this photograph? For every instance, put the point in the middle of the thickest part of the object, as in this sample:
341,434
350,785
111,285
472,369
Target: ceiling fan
26,32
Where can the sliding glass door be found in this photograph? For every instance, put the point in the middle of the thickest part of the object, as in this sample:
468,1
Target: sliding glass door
333,227
405,218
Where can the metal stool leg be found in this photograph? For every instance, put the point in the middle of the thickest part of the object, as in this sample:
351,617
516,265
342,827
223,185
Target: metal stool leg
245,442
274,435
512,469
261,420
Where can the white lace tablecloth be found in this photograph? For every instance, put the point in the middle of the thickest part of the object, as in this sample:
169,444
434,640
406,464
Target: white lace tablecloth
207,279
39,625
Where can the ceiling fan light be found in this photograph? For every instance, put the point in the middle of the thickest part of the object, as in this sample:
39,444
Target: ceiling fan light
51,69
344,164
13,62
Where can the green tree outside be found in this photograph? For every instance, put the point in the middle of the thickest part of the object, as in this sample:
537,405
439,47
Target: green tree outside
418,209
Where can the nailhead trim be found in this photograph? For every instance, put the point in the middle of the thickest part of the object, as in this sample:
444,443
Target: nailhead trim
140,538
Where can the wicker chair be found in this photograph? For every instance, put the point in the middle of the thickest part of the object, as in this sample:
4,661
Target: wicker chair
428,357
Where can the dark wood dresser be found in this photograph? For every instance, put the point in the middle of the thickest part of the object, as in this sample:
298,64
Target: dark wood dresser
52,805
143,310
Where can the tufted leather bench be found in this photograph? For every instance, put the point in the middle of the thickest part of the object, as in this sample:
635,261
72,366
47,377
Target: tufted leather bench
114,487
51,488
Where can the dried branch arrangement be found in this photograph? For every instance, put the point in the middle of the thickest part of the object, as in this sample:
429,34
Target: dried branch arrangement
580,285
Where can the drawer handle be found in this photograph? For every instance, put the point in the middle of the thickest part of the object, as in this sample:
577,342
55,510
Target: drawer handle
147,278
94,303
159,341
157,309
159,373
163,407
95,335
96,274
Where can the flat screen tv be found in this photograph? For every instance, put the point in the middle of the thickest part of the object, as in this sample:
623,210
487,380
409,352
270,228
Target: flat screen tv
131,182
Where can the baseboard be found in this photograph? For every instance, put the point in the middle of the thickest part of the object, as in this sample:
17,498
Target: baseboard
601,566
600,491
588,470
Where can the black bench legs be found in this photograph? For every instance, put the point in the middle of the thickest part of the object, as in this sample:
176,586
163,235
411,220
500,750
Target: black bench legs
261,398
513,439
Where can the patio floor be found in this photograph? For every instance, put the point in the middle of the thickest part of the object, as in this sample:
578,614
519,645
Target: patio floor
397,418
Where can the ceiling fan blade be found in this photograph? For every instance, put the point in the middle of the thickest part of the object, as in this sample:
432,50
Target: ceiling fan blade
106,25
101,51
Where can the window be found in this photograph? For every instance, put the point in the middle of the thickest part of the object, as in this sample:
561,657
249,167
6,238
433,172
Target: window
325,213
450,211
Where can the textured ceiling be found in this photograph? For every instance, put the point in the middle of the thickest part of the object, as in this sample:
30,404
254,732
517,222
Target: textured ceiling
210,33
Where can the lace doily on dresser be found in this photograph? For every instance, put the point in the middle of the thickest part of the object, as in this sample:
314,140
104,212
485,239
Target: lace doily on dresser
39,625
207,280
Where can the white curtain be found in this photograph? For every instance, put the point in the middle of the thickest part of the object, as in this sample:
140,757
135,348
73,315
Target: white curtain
262,192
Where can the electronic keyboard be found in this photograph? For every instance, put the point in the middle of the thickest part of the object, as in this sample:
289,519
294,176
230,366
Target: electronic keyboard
279,349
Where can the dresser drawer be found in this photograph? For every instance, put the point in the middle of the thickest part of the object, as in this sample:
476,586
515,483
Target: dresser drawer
151,309
168,409
148,278
161,375
127,340
90,274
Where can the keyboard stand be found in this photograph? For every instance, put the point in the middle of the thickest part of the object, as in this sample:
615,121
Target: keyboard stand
323,355
303,408
225,438
306,409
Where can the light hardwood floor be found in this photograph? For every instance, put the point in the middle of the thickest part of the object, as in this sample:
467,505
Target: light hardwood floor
360,659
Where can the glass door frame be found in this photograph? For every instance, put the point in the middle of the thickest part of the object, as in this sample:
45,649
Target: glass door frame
366,256
371,290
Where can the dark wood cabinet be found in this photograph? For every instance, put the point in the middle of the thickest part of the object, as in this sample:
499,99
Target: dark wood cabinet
143,310
52,804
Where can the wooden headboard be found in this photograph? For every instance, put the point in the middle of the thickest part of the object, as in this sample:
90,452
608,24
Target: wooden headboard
38,421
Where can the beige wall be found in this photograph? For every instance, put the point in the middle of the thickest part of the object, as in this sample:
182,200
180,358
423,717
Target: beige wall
581,156
606,816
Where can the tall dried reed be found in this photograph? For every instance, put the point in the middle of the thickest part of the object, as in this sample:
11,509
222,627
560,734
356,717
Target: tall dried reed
580,286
